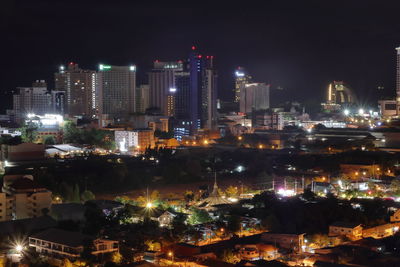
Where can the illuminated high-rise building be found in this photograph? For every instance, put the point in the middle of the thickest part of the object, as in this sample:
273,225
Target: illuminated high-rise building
142,98
79,86
162,86
241,79
116,86
37,100
338,94
253,97
203,91
398,75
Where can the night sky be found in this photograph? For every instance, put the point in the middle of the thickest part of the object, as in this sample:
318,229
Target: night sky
298,45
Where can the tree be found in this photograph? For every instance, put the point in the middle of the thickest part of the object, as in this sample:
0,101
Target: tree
153,245
233,224
199,216
66,263
308,195
395,186
231,191
229,256
76,197
116,257
29,132
71,134
49,140
189,196
87,195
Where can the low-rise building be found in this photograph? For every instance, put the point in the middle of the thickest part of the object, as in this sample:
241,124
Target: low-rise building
59,244
136,140
22,152
257,251
23,198
350,230
288,241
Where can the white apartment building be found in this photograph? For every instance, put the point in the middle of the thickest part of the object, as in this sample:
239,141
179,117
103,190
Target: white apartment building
22,198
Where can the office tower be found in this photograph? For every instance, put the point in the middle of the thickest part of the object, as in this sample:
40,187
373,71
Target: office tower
398,75
79,86
203,90
241,79
37,100
338,93
255,96
209,99
161,83
182,105
116,87
142,98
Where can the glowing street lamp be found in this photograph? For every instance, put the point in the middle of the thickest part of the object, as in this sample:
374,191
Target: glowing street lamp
346,112
149,205
171,254
19,248
240,138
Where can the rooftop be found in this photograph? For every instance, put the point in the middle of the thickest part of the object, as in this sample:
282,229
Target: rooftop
71,239
345,224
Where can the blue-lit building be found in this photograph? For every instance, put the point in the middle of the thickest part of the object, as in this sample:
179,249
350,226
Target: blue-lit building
196,96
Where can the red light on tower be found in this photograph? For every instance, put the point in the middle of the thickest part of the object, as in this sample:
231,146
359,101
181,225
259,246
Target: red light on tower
212,57
199,56
193,48
156,60
207,57
71,63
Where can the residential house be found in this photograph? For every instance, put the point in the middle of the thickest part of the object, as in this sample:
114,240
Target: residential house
288,241
350,230
59,244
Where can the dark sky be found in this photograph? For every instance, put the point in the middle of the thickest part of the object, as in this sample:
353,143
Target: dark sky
298,45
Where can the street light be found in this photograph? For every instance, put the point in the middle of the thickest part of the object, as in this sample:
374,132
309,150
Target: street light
149,205
19,248
171,254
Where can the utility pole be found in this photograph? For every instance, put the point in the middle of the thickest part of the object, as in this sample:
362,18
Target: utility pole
273,185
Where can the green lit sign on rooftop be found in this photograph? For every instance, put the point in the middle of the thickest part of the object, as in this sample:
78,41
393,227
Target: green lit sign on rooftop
104,67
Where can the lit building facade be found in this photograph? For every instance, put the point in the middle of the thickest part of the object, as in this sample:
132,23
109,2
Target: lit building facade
116,86
37,100
241,79
80,88
338,94
142,98
254,96
136,140
22,198
203,91
162,87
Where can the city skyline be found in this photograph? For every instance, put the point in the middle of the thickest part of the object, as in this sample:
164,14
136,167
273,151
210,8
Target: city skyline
280,46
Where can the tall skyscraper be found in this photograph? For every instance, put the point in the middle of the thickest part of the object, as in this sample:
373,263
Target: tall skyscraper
203,91
255,96
116,86
142,98
80,88
162,85
398,75
241,79
37,100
